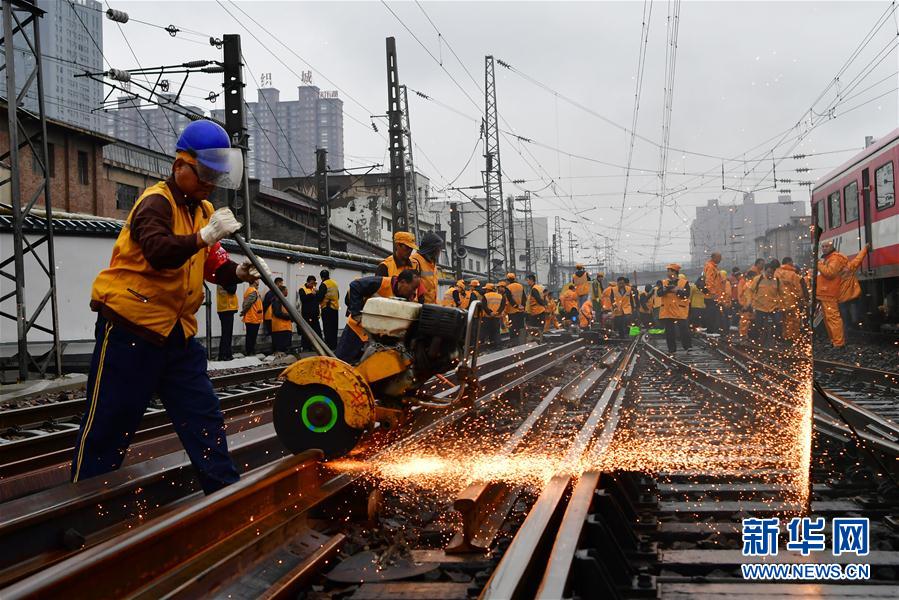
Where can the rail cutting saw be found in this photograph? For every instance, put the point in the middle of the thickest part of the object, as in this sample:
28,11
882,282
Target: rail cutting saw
329,404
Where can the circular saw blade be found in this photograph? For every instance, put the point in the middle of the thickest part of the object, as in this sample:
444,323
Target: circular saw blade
312,416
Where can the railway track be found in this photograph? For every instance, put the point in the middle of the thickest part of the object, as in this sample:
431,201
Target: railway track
675,532
69,524
670,530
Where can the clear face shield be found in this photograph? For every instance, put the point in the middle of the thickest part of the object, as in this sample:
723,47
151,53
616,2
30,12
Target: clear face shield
221,167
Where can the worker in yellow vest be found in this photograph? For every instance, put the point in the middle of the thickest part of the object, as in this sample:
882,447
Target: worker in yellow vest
282,326
744,293
552,311
455,296
675,311
146,301
581,282
767,300
401,259
494,306
794,296
586,315
267,306
644,306
714,289
226,307
535,307
597,287
569,304
619,300
425,260
352,340
251,312
474,292
515,308
330,304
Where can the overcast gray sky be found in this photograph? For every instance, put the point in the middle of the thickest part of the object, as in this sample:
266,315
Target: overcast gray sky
745,72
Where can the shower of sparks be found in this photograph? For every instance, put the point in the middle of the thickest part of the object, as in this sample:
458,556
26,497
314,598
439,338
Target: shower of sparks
665,426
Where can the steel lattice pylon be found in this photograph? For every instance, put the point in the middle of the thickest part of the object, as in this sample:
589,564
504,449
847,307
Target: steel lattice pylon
27,129
411,192
493,182
529,233
398,201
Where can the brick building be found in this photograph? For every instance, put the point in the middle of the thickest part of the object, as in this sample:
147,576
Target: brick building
89,172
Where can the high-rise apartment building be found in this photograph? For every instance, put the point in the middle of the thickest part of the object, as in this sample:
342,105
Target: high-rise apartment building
155,128
732,229
71,39
285,133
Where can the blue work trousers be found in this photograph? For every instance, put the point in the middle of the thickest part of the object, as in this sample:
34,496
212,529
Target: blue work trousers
125,372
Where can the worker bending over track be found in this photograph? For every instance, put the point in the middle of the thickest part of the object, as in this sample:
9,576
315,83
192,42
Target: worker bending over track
405,285
147,301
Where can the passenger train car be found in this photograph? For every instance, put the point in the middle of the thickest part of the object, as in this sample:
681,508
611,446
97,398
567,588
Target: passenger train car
856,204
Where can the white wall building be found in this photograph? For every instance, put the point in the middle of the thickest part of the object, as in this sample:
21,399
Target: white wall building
731,229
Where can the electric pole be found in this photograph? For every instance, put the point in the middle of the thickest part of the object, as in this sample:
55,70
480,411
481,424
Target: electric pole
554,279
493,180
398,201
570,248
324,204
529,232
236,125
411,191
511,207
456,239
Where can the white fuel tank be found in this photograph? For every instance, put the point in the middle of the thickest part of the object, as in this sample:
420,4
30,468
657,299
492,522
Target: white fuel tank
389,317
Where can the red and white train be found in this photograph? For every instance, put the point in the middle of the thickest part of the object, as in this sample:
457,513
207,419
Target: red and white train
855,205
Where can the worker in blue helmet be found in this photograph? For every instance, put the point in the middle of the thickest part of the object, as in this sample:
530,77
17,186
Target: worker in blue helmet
146,303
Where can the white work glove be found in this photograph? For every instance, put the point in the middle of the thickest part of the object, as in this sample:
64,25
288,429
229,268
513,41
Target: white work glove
221,224
246,271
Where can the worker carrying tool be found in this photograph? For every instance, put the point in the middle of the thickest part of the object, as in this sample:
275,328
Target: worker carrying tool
675,311
581,281
494,306
535,307
619,300
827,289
401,259
146,302
515,308
405,285
425,260
389,349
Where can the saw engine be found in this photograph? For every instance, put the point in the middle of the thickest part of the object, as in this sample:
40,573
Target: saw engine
328,404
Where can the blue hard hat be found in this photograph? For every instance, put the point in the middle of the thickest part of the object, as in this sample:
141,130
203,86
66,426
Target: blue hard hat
203,135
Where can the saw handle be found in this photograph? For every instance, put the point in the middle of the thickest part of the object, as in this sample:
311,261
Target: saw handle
305,330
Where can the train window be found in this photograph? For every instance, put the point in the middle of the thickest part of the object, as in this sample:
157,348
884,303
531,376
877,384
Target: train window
850,202
884,186
819,212
833,210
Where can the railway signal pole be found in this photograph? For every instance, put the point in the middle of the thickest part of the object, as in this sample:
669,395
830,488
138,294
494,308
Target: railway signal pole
398,200
324,202
236,125
409,164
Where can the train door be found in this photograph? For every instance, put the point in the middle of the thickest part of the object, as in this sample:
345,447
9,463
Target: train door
867,211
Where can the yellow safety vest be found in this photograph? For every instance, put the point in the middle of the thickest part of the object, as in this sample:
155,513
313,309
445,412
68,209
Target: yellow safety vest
581,284
517,292
225,302
332,296
155,300
393,269
254,313
673,306
428,272
492,301
386,290
533,308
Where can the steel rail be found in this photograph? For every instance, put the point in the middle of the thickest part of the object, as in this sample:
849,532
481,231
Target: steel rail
483,505
518,573
30,417
172,475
